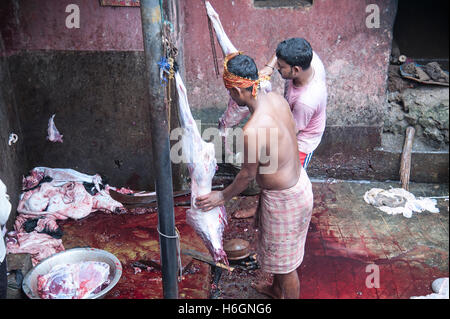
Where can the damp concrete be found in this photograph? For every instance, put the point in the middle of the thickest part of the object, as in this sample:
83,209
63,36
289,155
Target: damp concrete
349,242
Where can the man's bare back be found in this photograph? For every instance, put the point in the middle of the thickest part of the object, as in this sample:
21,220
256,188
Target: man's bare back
279,166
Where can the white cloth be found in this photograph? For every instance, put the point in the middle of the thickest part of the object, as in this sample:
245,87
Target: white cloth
440,289
399,201
5,209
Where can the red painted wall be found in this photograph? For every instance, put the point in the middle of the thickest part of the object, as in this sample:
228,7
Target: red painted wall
41,25
355,57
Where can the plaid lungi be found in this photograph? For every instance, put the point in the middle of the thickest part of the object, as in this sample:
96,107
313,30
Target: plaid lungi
283,220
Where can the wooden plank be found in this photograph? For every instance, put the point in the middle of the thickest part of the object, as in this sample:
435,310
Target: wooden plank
405,165
199,256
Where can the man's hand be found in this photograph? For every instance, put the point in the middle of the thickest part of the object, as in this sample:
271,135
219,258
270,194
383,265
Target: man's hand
266,71
269,68
210,201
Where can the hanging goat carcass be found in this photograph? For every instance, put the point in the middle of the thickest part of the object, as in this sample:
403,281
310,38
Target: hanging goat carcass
200,158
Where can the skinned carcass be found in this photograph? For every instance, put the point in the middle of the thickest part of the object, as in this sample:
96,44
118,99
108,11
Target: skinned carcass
61,175
234,113
65,196
200,158
38,245
53,134
53,201
73,281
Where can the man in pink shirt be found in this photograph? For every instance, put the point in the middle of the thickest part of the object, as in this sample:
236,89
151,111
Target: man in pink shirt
305,91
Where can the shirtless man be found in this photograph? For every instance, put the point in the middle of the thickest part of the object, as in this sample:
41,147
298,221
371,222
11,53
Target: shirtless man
286,199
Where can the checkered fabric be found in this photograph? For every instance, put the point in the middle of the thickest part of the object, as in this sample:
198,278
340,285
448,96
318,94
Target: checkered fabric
283,221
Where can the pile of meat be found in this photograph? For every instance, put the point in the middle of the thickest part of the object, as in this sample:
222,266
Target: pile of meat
73,281
50,195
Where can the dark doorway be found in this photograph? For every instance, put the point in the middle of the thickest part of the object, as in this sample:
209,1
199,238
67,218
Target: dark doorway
421,30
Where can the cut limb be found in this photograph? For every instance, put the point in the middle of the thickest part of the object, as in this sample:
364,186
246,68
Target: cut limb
234,113
224,41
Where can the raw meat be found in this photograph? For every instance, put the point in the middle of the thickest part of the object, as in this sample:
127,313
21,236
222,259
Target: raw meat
224,41
234,113
73,281
38,245
5,209
201,162
64,197
61,175
52,131
70,200
232,116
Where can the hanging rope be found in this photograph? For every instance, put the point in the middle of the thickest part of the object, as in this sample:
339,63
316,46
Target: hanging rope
167,61
178,238
213,45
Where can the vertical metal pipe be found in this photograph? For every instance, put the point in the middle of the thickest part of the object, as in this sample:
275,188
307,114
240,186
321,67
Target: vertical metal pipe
151,29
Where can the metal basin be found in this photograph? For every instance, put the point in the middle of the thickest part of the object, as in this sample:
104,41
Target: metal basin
236,249
75,255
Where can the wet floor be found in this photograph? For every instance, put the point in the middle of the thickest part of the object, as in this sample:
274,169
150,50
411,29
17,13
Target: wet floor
350,241
134,240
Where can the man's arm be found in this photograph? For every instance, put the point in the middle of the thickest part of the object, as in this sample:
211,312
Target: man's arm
247,173
270,66
249,168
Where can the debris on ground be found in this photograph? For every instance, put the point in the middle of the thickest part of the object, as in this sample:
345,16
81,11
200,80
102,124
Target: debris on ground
399,201
440,289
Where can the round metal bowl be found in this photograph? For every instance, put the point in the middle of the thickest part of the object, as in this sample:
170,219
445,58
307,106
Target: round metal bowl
236,249
29,284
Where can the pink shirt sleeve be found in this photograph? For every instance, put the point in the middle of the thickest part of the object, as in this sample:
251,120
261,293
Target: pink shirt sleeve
302,115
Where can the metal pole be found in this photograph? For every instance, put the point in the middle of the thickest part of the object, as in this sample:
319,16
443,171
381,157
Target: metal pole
151,30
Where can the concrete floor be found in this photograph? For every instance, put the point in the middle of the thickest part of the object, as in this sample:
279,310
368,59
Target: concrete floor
347,237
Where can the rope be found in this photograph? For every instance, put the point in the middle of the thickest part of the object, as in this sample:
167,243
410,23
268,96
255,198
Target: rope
166,63
177,237
213,46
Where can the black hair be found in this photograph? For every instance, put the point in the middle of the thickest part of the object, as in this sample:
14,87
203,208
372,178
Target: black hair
243,66
295,52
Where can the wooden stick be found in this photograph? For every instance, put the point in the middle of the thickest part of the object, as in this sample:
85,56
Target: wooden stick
199,256
405,165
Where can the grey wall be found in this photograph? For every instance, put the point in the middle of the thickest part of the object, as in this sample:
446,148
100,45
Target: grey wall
12,158
101,108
